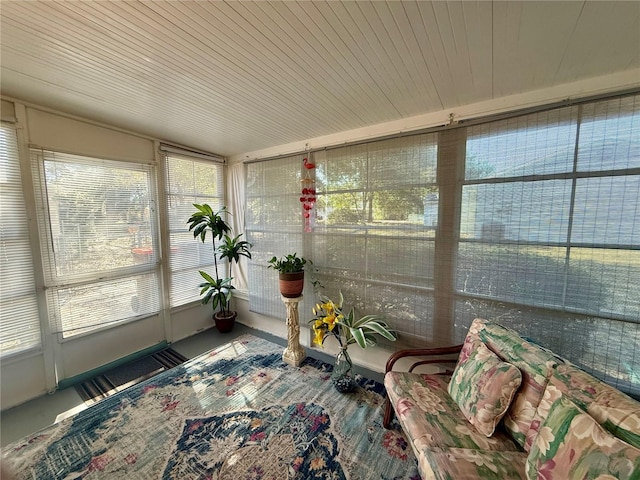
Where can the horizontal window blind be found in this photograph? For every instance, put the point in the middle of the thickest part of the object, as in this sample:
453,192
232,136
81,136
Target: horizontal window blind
190,180
99,221
19,318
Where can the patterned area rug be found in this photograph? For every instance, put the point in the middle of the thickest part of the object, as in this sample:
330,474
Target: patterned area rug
238,412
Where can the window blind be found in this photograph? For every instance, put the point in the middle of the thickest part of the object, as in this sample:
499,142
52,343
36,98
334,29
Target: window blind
19,320
550,233
98,219
190,180
274,225
532,221
375,235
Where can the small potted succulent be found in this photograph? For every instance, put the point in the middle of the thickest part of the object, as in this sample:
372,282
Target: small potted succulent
218,290
290,274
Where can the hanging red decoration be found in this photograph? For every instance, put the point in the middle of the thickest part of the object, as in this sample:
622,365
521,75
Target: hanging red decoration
308,197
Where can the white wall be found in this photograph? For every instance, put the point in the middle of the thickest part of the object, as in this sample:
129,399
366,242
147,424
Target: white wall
373,358
22,379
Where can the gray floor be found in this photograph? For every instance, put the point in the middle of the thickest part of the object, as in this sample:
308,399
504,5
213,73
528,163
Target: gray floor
41,412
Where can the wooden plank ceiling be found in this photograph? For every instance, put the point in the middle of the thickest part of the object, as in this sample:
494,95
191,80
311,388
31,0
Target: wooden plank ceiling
233,77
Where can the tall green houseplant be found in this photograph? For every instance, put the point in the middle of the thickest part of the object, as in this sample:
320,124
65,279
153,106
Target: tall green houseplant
218,290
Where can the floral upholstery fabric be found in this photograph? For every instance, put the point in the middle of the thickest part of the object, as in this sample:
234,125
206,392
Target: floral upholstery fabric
466,464
616,412
449,447
483,386
431,418
536,366
571,445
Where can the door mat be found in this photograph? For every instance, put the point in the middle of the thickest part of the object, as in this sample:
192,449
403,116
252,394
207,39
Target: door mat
117,379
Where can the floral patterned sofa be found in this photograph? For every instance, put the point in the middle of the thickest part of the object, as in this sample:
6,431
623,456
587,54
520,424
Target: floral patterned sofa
511,410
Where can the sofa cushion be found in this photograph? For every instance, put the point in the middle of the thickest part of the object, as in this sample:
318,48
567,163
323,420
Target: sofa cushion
483,386
616,412
431,418
571,445
536,365
466,464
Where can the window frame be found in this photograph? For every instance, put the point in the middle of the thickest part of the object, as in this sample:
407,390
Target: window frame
55,282
169,155
35,347
573,176
451,181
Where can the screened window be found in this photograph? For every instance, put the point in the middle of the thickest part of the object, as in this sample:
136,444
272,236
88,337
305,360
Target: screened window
372,230
375,233
275,227
102,261
19,321
550,232
189,181
532,221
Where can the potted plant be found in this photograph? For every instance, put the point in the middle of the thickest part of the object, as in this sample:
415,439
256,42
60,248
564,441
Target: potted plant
290,274
330,320
218,290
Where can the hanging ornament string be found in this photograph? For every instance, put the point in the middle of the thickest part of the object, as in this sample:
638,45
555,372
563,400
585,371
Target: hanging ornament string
308,197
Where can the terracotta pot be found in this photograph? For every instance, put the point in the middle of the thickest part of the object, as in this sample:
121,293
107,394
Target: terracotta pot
291,284
225,323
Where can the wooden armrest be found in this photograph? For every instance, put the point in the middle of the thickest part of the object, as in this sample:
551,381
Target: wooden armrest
418,352
424,352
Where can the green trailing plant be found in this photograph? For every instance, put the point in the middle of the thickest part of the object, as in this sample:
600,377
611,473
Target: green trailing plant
288,264
205,221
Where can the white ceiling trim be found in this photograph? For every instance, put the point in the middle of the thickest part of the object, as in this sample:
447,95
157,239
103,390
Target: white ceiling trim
602,85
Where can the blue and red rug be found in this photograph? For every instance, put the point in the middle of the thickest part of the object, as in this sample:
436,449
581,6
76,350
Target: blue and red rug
238,412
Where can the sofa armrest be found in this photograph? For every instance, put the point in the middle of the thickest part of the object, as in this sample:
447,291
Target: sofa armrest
441,355
425,352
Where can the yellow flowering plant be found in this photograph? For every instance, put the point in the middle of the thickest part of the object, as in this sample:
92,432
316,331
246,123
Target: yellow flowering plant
330,320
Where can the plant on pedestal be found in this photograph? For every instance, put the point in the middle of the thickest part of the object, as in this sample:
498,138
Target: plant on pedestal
218,290
290,274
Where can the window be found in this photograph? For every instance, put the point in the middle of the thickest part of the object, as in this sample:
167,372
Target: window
189,181
19,320
373,237
102,262
550,232
532,221
274,228
376,226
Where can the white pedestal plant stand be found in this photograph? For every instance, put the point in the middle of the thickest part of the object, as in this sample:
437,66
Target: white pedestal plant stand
294,354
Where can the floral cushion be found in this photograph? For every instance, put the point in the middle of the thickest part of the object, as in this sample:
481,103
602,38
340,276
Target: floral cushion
483,386
616,412
431,418
571,445
536,366
465,464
